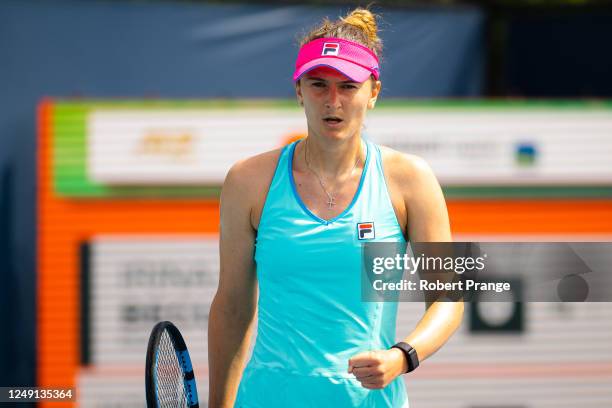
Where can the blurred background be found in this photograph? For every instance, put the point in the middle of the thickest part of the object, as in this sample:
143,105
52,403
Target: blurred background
119,120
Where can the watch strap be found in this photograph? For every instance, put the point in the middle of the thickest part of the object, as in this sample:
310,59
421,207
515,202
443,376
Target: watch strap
409,353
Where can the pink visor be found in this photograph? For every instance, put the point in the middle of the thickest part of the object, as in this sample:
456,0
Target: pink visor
351,59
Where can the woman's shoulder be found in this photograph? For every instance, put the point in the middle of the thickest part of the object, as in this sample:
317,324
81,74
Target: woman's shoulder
403,167
256,165
252,174
248,181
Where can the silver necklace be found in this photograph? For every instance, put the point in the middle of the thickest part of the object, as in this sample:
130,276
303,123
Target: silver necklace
330,195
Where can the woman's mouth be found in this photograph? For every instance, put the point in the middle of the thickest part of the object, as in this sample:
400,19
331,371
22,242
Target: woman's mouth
332,121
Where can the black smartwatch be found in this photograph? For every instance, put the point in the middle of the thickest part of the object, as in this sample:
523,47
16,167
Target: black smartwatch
410,354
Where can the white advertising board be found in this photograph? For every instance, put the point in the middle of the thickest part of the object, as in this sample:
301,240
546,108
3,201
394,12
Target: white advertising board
463,146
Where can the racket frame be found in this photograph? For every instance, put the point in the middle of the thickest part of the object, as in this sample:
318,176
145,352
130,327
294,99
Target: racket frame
182,355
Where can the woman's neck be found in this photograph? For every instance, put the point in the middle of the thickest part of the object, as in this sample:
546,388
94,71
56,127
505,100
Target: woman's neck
332,159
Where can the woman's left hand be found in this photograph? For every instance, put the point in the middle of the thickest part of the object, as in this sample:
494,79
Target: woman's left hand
376,369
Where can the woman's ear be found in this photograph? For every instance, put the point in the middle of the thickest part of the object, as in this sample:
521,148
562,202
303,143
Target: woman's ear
298,93
376,85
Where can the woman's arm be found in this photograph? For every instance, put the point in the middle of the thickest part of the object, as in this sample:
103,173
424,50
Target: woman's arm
233,308
427,222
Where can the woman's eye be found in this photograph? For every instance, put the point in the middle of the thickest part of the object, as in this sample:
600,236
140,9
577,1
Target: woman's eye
348,86
318,84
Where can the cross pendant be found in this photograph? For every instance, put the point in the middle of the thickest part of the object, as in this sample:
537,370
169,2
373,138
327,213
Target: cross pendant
330,202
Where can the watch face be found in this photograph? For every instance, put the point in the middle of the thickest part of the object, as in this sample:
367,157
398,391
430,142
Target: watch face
414,359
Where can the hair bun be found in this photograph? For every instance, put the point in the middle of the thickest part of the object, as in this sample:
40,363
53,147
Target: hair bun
365,21
359,25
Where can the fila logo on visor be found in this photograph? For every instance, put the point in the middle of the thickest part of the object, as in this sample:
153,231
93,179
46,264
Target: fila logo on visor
365,230
330,49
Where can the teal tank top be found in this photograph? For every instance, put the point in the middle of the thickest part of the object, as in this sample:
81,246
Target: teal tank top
311,318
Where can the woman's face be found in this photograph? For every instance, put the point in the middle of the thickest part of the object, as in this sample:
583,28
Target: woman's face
335,106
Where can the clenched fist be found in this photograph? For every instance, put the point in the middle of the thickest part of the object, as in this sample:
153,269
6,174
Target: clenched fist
376,369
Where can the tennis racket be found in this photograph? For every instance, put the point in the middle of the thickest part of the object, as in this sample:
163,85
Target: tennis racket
169,379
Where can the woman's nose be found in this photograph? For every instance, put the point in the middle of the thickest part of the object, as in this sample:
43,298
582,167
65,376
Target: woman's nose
332,97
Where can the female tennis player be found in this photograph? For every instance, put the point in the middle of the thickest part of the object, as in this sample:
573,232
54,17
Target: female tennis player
292,224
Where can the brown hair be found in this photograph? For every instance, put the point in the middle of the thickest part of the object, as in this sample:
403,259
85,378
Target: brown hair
359,26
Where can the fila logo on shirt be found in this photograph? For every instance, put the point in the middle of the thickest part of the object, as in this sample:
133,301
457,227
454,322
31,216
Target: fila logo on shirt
365,230
330,49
